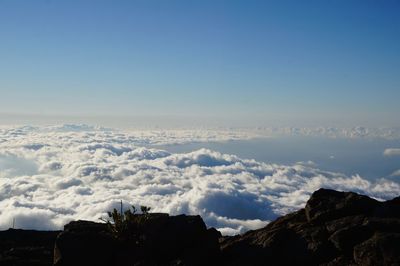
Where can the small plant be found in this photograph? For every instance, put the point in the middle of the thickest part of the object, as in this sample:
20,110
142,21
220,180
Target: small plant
145,210
127,225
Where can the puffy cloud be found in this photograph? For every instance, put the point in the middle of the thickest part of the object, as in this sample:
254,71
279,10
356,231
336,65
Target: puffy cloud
49,177
391,152
30,218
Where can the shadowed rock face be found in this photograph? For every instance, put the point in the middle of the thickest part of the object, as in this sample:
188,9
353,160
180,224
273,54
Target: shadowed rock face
335,228
27,247
164,240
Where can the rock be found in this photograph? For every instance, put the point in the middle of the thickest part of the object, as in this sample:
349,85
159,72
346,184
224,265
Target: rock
335,228
271,245
27,247
326,204
162,240
84,243
381,249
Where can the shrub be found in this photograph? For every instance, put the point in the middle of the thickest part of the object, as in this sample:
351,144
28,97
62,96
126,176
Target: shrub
127,225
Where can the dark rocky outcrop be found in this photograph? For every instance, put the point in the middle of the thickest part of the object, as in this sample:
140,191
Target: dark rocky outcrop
27,247
334,228
164,240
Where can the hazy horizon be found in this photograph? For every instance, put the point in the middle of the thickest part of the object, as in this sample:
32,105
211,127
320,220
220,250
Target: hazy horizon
185,121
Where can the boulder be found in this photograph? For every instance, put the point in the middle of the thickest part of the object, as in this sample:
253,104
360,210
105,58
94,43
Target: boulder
84,243
161,240
326,204
334,228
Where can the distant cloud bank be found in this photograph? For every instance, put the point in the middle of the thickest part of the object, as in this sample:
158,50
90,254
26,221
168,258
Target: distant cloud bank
51,175
392,152
332,132
396,173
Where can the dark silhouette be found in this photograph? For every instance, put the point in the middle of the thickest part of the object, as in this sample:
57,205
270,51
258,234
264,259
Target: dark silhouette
334,228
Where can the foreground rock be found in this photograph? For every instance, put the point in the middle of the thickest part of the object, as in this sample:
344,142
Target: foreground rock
164,240
335,228
26,247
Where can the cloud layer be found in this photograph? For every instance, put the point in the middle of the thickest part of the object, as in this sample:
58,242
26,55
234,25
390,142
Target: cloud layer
392,152
331,132
49,176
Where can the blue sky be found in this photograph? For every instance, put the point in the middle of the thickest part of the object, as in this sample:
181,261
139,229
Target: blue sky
293,61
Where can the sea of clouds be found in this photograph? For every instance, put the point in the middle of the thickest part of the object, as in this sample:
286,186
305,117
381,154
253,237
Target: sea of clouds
52,175
390,133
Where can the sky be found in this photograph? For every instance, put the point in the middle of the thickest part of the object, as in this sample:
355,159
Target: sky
261,61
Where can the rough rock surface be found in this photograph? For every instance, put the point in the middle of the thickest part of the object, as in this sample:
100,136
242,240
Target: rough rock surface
164,240
27,247
334,228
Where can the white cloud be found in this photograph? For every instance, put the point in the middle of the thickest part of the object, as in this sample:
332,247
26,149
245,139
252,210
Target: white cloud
49,177
392,152
396,173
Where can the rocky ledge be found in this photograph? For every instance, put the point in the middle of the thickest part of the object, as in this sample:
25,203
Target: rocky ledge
27,247
334,228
